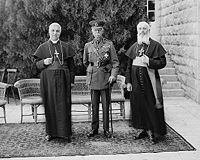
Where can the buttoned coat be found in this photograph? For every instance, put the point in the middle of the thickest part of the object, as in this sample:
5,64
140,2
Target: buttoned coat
101,61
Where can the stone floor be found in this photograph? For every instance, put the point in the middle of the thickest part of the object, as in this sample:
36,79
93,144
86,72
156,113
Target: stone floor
181,113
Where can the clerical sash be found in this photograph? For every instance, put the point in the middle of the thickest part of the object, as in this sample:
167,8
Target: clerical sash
152,77
138,62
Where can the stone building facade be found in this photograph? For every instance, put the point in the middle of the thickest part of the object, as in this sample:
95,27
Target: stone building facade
177,27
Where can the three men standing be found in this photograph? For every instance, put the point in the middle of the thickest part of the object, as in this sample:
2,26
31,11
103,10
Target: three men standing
102,64
55,59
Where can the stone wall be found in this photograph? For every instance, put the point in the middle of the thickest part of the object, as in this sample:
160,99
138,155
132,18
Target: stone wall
177,28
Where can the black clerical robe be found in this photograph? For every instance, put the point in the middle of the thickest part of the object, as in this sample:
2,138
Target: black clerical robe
55,83
146,97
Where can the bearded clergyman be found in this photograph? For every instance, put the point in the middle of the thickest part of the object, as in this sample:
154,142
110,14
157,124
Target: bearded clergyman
145,58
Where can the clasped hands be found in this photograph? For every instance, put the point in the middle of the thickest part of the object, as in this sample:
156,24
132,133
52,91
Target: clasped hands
144,58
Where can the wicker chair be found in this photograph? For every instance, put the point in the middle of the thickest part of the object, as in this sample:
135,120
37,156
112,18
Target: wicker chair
11,78
29,94
117,95
2,74
81,95
3,87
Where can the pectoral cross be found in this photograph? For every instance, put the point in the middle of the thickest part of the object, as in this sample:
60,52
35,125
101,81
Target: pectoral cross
141,51
56,53
106,55
56,58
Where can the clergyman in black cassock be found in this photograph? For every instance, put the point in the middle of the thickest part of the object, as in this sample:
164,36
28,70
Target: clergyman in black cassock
55,60
145,58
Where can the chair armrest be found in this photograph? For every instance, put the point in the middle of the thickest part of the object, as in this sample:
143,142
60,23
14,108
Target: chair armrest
16,84
121,83
4,85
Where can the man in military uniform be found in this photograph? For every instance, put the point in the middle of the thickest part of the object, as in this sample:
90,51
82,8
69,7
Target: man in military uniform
102,64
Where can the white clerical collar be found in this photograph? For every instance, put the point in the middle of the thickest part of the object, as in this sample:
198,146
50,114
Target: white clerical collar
54,42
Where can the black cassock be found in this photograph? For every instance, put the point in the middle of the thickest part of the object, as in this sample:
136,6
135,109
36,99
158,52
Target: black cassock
146,104
55,86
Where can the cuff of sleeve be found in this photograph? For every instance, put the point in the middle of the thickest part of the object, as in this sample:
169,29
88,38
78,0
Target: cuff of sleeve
40,64
149,62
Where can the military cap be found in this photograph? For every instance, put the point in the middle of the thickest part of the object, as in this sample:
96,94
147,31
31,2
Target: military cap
97,23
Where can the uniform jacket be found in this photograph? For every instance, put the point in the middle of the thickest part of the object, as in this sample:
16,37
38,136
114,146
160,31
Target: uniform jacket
101,61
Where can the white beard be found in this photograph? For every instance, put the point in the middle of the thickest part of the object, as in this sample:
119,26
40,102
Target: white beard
143,38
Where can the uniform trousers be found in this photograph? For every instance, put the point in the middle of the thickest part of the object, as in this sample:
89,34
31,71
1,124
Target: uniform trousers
105,100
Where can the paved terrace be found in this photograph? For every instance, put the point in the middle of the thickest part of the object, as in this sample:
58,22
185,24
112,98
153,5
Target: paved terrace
181,113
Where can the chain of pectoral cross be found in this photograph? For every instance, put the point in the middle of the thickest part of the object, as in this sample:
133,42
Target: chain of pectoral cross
57,55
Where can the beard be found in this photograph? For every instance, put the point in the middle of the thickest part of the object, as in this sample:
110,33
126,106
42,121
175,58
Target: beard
143,38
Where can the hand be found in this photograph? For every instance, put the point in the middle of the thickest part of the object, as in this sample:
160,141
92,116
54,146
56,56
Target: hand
47,61
145,59
111,79
129,87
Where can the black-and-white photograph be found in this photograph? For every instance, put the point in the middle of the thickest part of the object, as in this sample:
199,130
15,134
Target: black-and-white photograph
99,79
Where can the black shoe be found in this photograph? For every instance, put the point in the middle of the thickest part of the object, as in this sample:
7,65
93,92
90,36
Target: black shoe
48,137
157,139
92,133
153,139
107,134
141,135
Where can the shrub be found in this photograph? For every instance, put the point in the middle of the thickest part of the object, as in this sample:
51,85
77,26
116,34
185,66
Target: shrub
24,25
